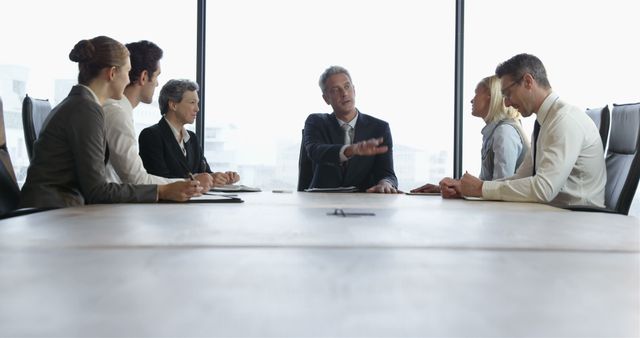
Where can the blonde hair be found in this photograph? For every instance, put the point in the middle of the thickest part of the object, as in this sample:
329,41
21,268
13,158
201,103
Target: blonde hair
497,110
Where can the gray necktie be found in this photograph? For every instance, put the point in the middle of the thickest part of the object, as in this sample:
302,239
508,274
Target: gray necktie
348,133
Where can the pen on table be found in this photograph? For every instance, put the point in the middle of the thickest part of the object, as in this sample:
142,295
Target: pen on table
282,191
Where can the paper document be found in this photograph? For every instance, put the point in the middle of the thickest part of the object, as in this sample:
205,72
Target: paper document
212,198
423,193
338,189
472,198
234,188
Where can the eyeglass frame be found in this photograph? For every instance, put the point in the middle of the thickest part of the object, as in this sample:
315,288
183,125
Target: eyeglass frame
508,96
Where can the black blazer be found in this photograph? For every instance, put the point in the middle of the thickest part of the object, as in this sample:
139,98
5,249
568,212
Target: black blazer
323,139
162,156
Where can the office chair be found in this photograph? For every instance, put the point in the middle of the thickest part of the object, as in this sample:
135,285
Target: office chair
305,167
8,186
34,113
623,157
622,160
9,189
602,118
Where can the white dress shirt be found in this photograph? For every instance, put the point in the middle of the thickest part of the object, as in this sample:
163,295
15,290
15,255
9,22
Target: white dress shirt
570,166
125,165
181,136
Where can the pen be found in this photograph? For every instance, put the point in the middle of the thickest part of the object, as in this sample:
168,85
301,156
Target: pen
282,191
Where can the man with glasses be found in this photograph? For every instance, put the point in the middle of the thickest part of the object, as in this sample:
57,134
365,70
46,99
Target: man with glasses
566,161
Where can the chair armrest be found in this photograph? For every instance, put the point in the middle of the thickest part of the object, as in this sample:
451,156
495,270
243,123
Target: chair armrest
590,209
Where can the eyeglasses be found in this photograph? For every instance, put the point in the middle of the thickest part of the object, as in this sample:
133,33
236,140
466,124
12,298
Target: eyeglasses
506,92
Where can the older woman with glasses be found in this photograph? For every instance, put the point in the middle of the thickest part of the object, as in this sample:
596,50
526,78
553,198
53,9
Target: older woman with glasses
504,142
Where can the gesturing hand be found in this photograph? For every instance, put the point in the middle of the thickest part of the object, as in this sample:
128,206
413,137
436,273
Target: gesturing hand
366,148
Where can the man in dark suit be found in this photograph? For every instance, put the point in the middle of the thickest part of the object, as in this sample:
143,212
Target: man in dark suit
347,147
169,150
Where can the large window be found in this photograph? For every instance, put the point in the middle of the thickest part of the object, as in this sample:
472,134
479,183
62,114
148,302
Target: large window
587,48
38,36
264,59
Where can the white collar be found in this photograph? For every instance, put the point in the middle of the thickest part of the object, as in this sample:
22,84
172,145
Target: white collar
176,132
95,97
351,123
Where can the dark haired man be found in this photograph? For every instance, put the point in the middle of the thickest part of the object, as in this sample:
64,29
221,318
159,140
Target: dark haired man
124,164
566,162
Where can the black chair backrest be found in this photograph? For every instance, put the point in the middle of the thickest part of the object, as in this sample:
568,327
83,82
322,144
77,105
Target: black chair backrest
305,167
34,113
623,157
9,190
602,118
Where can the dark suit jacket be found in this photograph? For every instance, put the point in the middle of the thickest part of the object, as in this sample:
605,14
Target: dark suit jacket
68,165
323,139
162,156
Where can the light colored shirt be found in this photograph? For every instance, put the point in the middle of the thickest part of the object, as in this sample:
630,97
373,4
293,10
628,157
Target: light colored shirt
570,167
504,146
181,136
352,123
125,165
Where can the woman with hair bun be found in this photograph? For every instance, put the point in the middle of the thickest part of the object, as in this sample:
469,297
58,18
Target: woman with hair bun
68,165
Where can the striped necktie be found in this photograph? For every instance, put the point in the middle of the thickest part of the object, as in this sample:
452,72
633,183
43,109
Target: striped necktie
348,133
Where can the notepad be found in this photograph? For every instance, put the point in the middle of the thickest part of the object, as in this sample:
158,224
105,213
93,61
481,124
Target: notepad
234,188
473,198
211,198
338,189
423,193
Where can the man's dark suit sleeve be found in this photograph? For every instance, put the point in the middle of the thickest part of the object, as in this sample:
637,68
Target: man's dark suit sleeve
314,142
383,166
152,154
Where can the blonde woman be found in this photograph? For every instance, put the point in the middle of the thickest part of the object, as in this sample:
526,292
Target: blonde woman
504,142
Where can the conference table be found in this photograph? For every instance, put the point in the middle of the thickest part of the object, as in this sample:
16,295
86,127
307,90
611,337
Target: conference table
320,264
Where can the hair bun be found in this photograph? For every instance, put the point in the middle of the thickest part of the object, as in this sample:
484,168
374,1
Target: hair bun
83,51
